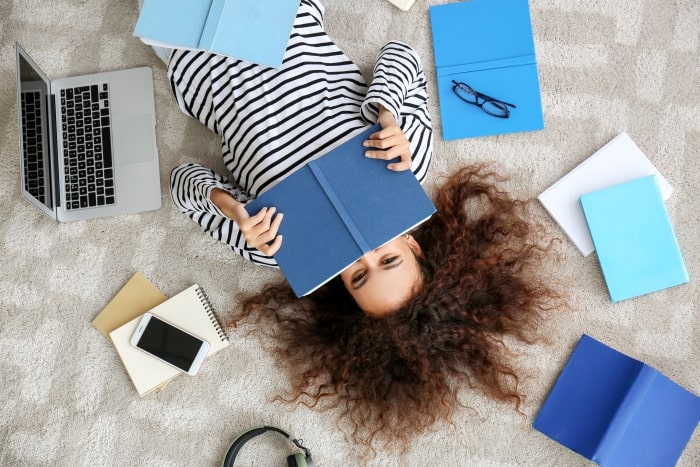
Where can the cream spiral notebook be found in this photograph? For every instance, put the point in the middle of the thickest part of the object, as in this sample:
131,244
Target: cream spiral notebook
190,310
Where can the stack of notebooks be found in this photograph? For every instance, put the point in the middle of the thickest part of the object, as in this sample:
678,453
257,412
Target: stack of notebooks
613,203
189,309
618,411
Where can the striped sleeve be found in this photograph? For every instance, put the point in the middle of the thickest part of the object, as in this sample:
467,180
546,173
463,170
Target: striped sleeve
190,187
399,85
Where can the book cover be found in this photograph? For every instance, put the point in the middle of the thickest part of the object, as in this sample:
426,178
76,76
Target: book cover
190,310
249,30
620,160
489,45
339,207
618,411
634,239
135,298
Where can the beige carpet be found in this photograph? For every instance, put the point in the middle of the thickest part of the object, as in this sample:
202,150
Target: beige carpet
605,67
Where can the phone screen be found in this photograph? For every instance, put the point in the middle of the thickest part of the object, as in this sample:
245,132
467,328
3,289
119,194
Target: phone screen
169,343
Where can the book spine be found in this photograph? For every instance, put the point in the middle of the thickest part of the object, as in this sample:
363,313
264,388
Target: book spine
487,65
339,207
620,423
212,316
211,25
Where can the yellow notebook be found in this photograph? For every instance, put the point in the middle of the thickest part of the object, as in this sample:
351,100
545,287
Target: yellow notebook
134,299
190,310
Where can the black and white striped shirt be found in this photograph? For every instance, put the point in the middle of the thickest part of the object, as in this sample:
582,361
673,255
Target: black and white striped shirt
273,121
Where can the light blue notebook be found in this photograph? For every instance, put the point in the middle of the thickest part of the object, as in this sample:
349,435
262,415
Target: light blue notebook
634,239
249,30
488,45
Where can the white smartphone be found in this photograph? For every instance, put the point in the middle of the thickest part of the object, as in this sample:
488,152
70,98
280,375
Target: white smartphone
170,344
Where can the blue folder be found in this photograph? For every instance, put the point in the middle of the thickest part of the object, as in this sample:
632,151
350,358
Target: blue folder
618,411
634,239
488,45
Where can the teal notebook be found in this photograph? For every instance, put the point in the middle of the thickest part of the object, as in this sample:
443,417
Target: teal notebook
634,239
249,30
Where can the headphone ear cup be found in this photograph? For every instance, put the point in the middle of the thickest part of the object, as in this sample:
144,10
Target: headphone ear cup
296,460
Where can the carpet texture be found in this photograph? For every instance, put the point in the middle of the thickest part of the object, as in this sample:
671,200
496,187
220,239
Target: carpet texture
605,67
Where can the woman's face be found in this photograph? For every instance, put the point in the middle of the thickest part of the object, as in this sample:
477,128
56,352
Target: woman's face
384,279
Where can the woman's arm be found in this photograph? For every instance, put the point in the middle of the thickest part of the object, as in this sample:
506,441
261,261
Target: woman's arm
391,140
259,230
208,199
398,90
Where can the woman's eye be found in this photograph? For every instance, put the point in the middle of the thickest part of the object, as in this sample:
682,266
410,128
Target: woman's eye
358,277
389,260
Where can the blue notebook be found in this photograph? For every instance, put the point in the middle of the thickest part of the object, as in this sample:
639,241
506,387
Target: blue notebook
487,44
249,30
339,207
634,239
618,411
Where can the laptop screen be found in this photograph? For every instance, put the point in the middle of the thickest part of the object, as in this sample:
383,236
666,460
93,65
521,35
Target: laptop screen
33,104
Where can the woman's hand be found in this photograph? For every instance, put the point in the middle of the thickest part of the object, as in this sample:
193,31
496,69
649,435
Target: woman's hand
259,230
392,140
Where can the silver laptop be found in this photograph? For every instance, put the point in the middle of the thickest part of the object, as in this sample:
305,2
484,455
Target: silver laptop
87,143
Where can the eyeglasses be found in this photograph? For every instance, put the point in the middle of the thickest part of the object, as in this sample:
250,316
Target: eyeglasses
488,104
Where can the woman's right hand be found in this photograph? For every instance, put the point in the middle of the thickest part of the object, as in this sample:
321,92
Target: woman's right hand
259,230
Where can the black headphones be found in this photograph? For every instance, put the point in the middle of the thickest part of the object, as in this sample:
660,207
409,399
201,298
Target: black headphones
295,460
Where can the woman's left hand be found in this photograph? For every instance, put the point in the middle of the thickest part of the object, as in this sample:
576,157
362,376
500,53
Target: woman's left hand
391,140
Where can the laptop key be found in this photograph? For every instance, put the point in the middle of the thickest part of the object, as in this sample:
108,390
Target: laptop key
106,147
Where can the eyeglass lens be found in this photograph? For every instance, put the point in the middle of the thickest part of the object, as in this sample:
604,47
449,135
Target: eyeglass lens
492,107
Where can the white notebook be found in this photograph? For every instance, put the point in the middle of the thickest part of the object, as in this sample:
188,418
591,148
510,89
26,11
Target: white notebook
619,161
190,310
404,5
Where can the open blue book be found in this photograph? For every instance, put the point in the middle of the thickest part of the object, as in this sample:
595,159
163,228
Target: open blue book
249,30
339,207
487,44
634,239
618,411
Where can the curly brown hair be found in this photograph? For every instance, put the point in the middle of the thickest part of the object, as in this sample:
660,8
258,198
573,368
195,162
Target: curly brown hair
394,376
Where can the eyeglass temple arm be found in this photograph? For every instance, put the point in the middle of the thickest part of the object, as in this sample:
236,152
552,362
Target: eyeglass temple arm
479,94
484,96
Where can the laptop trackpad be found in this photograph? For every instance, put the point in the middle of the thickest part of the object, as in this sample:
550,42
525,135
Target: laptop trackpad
133,139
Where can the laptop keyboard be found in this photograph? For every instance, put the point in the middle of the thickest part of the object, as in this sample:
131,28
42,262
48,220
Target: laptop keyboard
87,146
32,142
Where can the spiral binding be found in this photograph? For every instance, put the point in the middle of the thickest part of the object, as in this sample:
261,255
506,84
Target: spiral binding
210,312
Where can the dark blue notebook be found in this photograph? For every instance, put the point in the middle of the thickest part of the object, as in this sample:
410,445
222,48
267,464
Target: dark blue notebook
618,411
487,44
339,207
